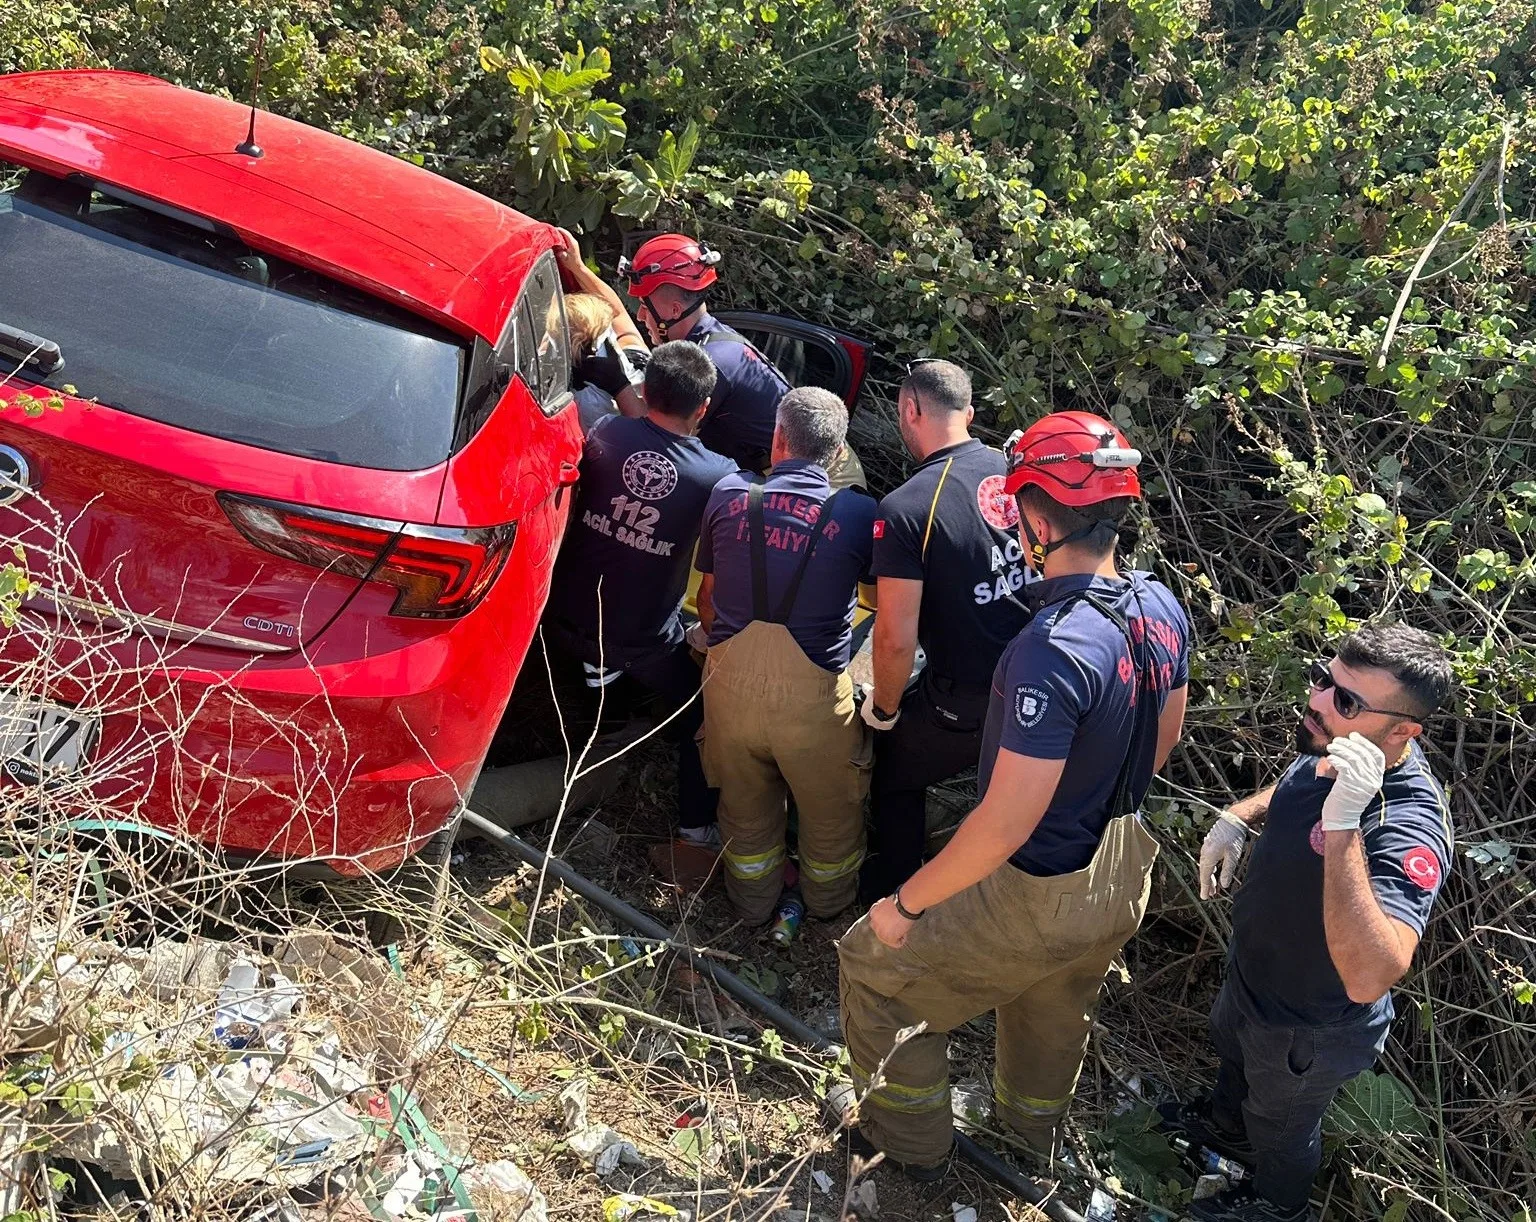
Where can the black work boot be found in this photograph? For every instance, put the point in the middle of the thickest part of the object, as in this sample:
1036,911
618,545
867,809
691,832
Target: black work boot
1244,1205
1195,1121
916,1172
841,1104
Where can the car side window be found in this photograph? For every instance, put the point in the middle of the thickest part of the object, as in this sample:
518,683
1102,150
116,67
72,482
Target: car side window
801,362
543,357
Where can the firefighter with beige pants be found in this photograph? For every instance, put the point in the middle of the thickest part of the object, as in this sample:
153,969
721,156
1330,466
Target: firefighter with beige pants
782,558
1031,901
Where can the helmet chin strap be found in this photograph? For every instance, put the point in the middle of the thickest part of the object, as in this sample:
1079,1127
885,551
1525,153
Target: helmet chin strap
1039,551
665,324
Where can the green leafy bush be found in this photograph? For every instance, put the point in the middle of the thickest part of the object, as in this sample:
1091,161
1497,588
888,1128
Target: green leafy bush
1199,218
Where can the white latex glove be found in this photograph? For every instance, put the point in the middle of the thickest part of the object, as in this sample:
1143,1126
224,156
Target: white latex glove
1219,855
1358,767
696,637
867,710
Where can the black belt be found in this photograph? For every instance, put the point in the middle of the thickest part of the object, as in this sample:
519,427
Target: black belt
955,687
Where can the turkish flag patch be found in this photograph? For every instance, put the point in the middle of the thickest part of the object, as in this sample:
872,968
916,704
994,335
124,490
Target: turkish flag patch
879,528
1422,867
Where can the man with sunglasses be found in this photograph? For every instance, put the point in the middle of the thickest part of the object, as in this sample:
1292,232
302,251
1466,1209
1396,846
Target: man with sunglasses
1356,841
1025,909
950,569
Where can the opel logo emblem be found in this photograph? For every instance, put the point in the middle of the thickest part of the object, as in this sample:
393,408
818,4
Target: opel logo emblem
15,475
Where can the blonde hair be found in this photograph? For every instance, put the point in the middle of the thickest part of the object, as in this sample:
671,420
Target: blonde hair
588,316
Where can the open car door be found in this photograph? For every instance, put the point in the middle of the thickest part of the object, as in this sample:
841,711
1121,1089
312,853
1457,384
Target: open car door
806,353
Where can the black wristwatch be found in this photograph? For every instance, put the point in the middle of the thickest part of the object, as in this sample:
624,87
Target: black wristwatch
881,714
900,907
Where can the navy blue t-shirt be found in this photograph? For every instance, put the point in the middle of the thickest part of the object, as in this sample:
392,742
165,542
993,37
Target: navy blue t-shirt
642,498
742,411
1279,960
1065,689
952,527
821,620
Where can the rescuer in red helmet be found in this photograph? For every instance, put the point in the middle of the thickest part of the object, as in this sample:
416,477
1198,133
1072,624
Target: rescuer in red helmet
1029,903
670,276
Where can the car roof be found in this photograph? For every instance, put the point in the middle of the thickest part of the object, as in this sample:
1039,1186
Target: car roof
321,200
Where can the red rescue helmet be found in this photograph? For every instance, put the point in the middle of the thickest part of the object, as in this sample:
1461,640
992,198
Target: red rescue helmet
1077,458
670,258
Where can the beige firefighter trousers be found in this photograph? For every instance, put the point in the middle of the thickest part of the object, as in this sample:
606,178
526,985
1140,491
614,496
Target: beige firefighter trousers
1033,949
777,724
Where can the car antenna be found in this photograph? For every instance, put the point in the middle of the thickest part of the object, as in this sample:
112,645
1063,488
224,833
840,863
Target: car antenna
248,147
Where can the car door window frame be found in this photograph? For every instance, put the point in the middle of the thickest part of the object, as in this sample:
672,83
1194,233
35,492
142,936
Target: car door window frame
543,366
746,322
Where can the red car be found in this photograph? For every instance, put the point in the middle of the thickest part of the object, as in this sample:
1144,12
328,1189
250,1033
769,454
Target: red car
311,471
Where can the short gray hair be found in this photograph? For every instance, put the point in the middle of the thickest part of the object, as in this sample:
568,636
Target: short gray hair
813,423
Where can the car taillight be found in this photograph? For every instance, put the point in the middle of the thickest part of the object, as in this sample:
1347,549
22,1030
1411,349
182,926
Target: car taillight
440,571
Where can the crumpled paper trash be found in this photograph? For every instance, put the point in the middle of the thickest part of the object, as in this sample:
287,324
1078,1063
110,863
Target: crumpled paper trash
603,1149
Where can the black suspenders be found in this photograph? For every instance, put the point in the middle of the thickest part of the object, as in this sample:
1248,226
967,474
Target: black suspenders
759,539
1145,713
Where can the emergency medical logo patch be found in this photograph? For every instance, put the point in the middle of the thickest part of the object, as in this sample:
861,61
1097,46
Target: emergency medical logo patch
1029,705
998,510
649,475
1422,867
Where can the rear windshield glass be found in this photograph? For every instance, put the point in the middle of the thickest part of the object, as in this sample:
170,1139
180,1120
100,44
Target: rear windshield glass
164,317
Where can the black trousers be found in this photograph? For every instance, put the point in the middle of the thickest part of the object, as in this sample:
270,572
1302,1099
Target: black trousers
1273,1087
938,736
671,678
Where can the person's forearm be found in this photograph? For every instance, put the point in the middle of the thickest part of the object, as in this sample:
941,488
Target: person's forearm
979,846
631,402
1364,944
894,651
1253,811
704,602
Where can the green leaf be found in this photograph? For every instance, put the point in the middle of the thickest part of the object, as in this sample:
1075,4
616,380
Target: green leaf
1376,1105
692,1143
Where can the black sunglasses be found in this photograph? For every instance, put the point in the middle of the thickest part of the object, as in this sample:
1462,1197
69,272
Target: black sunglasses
1348,704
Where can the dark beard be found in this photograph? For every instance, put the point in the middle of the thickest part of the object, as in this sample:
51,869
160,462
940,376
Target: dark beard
1305,743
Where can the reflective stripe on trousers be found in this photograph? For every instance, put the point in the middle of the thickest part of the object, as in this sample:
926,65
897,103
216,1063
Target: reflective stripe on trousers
894,1097
777,726
831,871
755,865
1034,950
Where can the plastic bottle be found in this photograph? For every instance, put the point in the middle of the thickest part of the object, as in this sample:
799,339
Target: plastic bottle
1209,1161
791,913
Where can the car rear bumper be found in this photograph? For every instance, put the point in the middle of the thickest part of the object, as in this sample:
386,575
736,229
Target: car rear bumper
339,765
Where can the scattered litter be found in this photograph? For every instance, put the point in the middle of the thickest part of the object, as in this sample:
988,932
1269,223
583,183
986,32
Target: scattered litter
962,1213
823,1181
244,1007
295,1098
970,1101
603,1149
828,1021
573,1104
626,1205
864,1200
501,1191
1209,1186
515,1092
1101,1207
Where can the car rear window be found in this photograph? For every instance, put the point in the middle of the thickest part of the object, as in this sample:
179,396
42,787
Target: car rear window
167,317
